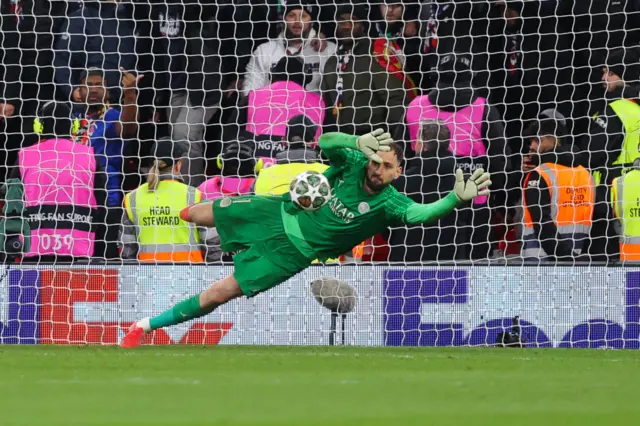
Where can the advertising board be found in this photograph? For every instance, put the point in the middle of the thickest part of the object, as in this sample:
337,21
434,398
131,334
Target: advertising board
558,306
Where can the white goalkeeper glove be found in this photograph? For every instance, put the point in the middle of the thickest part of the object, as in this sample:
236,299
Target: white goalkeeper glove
477,185
378,140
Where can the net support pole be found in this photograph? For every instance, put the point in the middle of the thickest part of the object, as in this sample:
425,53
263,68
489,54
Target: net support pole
333,330
333,327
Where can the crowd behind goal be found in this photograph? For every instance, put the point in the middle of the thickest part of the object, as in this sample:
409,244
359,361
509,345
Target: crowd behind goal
197,99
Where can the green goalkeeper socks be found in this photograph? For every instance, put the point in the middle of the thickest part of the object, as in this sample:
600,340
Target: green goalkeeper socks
186,310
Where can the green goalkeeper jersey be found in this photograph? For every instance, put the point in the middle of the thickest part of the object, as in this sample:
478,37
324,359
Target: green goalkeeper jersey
352,214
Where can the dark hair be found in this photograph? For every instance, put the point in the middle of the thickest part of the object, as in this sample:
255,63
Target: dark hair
238,159
290,68
56,120
170,150
624,63
454,69
306,6
532,130
517,5
92,72
544,127
398,149
301,126
435,135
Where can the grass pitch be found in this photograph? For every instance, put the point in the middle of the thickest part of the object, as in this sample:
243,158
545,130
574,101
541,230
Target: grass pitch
188,386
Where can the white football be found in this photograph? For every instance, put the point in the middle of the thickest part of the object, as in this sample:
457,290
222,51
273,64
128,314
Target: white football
310,190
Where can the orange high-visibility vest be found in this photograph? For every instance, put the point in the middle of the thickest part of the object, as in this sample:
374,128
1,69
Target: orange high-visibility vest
572,193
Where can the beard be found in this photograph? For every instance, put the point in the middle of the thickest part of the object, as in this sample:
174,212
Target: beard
291,36
377,185
96,99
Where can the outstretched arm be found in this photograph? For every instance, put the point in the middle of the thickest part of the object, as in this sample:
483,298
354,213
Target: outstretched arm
336,145
425,213
477,185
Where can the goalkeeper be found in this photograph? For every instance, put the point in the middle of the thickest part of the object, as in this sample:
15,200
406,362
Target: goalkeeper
277,240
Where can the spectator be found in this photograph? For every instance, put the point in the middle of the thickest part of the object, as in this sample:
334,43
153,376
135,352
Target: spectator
594,27
152,230
104,128
426,179
99,35
599,25
298,158
559,122
238,172
453,26
614,135
514,180
477,138
558,198
265,112
527,51
395,43
611,144
183,41
28,29
63,190
297,39
271,107
355,85
625,193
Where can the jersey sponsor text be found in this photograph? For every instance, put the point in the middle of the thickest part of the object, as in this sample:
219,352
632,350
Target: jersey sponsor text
340,210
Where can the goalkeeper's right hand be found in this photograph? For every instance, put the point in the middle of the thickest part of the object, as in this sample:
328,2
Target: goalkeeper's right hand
378,140
477,185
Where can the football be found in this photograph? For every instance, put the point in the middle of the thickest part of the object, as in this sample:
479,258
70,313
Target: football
310,190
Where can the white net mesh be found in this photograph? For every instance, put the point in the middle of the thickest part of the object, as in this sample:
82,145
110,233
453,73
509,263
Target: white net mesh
116,115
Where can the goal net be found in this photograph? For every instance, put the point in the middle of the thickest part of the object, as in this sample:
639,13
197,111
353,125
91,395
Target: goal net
117,115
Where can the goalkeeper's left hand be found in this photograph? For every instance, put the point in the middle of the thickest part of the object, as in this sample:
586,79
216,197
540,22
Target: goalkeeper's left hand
477,185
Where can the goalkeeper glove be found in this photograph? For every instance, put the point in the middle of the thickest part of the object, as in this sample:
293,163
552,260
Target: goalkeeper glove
369,144
477,185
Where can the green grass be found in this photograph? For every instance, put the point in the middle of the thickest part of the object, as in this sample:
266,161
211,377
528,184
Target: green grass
47,386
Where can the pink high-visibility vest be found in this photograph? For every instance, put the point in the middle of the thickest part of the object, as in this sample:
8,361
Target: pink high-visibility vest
58,178
465,126
271,107
226,186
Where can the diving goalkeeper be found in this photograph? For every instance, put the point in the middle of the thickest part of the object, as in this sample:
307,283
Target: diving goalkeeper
276,239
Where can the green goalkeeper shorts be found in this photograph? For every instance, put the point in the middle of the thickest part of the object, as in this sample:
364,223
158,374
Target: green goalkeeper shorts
253,226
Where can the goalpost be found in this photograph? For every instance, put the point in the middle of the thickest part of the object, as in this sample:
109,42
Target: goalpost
459,282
